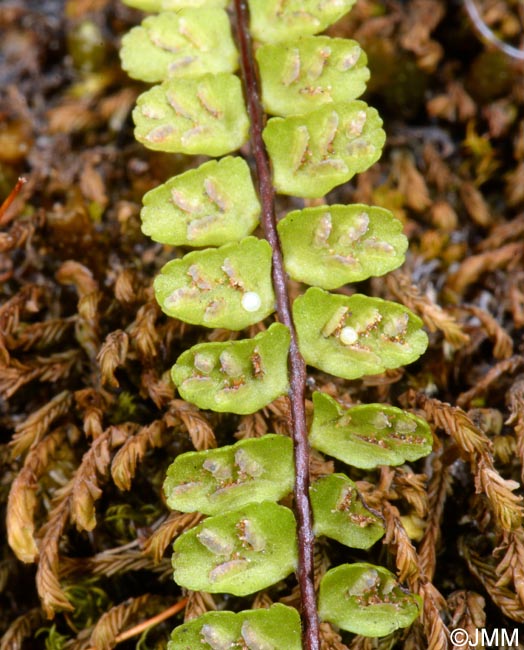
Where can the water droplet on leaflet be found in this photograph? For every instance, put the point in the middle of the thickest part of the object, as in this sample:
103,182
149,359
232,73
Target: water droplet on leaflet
348,335
251,301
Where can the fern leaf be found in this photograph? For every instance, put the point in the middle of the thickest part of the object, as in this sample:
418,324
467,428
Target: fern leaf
239,552
356,336
185,43
277,628
228,286
218,480
173,5
205,115
368,435
366,599
273,20
329,246
340,514
316,70
236,377
208,206
313,153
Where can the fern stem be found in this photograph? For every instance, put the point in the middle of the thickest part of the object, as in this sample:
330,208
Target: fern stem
297,366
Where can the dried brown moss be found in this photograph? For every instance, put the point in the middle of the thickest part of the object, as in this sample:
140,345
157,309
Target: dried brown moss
88,414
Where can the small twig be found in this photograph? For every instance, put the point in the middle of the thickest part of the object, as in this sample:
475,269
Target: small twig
155,620
488,34
297,366
12,196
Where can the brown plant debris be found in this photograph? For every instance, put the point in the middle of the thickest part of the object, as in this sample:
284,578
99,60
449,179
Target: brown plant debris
511,568
434,317
486,572
329,639
125,461
143,333
502,341
438,490
175,524
437,633
198,603
516,418
454,421
89,416
22,498
405,554
92,404
507,366
22,628
113,562
467,611
112,354
110,624
506,257
51,594
84,485
507,506
194,422
32,430
40,335
53,368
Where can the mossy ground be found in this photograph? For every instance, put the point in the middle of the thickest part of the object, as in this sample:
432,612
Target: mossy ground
84,350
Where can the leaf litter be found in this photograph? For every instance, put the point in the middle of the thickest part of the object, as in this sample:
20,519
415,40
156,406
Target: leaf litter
88,415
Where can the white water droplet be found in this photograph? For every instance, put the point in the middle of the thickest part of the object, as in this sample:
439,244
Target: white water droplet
348,335
251,301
